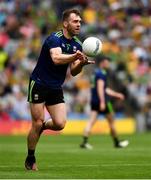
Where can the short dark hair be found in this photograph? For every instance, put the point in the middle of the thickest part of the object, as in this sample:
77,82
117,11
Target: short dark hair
67,13
101,58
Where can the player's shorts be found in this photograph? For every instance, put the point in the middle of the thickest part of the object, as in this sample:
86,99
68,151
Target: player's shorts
108,109
41,94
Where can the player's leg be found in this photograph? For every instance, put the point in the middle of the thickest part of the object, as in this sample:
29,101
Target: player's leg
87,130
37,113
111,121
36,97
56,107
110,118
58,117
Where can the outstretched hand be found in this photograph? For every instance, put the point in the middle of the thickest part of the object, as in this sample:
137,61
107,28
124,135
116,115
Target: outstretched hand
121,96
80,55
87,61
83,58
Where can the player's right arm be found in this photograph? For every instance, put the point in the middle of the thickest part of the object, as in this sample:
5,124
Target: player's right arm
55,51
59,58
100,90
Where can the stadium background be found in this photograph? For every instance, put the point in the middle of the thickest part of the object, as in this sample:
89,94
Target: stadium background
124,26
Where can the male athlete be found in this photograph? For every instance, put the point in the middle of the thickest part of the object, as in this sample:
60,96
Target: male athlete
100,103
60,50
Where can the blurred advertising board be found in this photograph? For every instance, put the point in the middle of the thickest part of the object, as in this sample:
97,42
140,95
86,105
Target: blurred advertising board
74,126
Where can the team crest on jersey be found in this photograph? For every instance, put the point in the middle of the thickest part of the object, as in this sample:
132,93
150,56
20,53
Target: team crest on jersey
74,48
68,46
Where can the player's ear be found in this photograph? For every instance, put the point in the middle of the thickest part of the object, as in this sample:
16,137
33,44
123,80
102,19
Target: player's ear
65,23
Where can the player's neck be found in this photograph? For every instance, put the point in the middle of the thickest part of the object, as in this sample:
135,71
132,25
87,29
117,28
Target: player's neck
66,34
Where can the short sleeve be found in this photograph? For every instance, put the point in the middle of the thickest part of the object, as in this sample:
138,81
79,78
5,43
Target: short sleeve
52,42
100,76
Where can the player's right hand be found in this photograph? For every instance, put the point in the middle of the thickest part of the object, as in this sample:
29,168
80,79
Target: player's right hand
102,106
80,56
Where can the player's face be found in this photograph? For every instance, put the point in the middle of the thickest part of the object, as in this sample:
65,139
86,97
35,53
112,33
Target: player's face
105,64
73,24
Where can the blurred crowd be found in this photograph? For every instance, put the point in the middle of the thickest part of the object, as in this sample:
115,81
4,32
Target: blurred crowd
124,26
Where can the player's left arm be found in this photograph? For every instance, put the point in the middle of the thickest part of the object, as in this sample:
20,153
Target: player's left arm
115,94
76,66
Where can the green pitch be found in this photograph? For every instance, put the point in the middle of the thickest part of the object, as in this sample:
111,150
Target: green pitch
59,157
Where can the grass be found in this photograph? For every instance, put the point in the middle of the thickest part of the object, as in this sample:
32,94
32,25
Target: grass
59,157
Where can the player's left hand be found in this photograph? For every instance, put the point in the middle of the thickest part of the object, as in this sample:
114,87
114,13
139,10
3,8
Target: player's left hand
86,61
121,96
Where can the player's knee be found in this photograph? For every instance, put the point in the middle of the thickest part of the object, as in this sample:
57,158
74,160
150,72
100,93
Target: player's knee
60,124
38,124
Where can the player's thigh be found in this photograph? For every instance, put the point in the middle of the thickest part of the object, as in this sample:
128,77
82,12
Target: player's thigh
37,111
57,112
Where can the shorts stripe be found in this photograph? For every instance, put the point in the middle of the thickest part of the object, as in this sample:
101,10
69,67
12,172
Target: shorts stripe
110,107
30,90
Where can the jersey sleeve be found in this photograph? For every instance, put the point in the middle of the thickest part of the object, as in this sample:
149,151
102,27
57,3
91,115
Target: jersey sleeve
100,76
52,42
